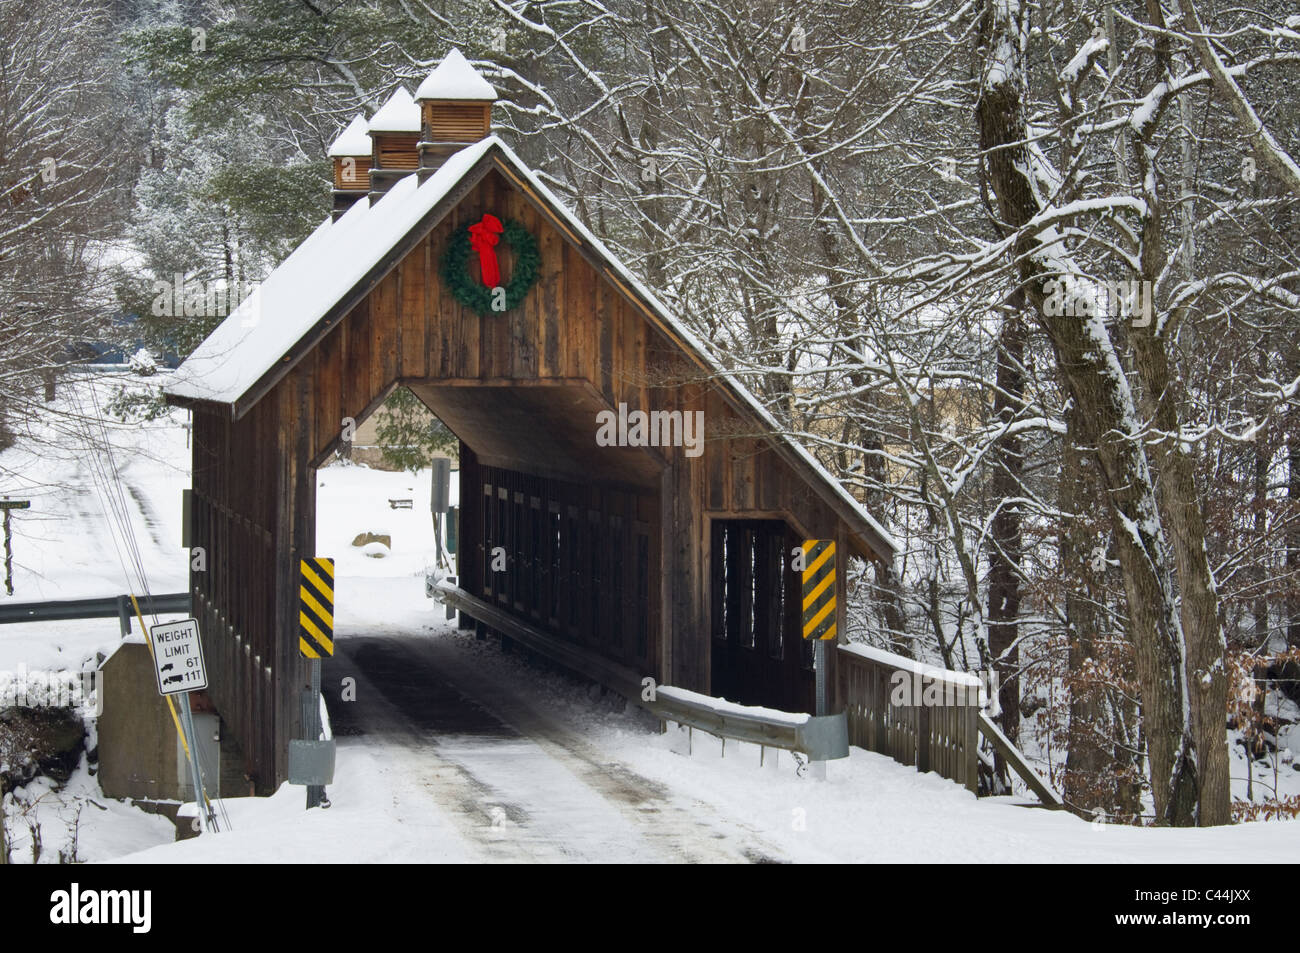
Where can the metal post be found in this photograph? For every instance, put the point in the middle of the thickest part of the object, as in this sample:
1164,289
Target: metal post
124,615
819,663
9,558
818,768
315,792
439,500
187,725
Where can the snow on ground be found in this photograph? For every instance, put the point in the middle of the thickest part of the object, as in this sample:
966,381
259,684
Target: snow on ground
63,548
76,823
351,500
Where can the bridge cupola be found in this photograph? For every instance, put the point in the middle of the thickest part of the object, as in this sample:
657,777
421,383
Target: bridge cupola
455,104
350,154
394,136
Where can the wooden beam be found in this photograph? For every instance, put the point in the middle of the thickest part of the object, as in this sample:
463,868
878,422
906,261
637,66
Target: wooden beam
1012,754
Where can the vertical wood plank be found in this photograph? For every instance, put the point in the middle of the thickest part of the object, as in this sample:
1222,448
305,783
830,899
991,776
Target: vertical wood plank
413,319
551,301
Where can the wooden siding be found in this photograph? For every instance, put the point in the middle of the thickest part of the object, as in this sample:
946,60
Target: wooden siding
396,150
581,559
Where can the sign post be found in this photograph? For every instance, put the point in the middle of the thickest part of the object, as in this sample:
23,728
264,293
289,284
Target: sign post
8,506
819,617
439,501
179,669
311,760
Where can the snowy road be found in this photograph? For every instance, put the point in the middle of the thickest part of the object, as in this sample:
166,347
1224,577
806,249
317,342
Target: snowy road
516,785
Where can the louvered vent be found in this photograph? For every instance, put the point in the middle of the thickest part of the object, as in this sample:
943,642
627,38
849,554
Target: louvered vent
352,174
452,121
395,150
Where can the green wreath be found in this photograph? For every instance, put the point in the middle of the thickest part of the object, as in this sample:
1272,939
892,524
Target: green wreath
470,291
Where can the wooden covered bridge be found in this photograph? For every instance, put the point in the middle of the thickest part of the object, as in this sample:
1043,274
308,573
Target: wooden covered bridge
656,545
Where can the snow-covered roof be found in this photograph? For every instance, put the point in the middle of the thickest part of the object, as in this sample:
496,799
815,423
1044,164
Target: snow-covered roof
399,114
307,284
455,78
321,272
352,141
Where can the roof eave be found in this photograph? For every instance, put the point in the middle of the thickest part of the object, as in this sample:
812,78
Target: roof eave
263,385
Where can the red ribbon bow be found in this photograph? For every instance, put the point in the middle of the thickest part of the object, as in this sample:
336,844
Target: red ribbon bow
483,237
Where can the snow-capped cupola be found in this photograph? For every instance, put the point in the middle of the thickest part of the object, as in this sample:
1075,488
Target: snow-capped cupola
394,135
351,153
455,110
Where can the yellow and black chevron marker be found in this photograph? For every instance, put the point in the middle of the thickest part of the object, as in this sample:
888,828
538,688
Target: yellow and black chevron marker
316,608
819,589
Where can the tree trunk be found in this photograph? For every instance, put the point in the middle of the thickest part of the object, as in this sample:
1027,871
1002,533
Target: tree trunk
1205,647
1097,385
4,843
1293,536
1288,675
1088,782
1005,539
1261,452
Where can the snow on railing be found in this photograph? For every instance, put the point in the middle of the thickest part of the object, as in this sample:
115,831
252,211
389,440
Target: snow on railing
914,713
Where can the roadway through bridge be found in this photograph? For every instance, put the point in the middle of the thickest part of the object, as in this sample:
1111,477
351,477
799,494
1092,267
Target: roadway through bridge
467,743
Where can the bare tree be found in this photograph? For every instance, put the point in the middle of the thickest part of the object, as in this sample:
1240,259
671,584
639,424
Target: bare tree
61,167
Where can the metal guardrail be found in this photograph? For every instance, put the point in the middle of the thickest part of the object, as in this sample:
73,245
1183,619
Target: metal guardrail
616,677
107,607
821,738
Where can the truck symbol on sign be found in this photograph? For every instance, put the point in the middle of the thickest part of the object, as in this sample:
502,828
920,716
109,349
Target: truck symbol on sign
174,678
167,668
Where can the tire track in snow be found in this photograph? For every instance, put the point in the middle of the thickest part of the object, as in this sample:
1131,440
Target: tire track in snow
419,777
687,832
517,784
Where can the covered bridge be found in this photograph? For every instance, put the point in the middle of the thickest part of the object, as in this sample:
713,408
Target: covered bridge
640,543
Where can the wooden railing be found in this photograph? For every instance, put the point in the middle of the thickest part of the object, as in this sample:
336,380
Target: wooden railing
914,713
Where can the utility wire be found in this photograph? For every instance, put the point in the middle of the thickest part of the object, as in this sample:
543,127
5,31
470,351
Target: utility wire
108,482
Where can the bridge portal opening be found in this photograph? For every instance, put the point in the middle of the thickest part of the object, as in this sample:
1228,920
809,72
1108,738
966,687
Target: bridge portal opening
600,547
372,497
556,532
553,530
